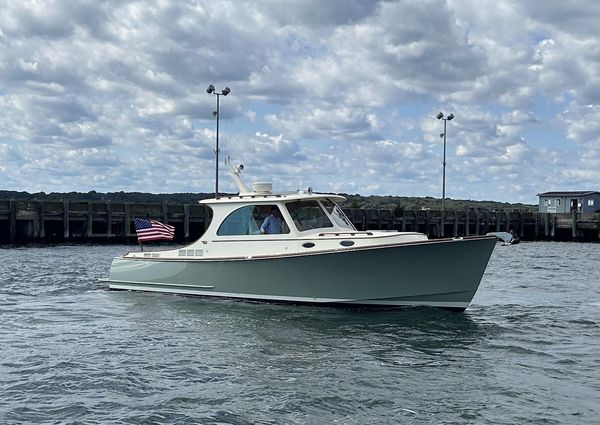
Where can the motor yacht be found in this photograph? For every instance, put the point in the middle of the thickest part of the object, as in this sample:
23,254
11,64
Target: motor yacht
317,256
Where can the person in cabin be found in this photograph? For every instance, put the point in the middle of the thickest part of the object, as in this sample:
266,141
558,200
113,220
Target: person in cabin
272,223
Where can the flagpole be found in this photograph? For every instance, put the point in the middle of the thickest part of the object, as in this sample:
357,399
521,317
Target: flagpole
136,235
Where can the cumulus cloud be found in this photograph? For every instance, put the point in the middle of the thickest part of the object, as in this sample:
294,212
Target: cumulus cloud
336,123
340,95
582,124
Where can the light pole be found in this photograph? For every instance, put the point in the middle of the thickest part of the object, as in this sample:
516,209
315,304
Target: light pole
224,92
440,116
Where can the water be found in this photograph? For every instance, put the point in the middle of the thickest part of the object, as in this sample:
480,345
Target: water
526,351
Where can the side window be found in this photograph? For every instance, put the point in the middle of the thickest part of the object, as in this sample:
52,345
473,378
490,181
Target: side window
308,215
247,221
238,222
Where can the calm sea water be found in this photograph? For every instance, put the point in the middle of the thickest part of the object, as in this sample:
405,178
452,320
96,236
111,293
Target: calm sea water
526,351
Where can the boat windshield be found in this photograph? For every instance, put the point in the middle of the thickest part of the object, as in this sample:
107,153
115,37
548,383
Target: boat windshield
337,215
308,215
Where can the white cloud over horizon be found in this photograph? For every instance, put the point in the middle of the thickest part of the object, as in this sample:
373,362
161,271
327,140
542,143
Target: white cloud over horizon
339,95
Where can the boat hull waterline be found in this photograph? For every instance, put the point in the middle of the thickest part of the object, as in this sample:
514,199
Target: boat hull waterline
437,273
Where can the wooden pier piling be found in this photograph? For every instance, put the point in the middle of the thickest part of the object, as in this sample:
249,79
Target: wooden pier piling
31,221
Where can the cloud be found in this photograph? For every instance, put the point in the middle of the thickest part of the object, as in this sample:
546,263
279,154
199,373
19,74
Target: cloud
330,14
9,154
336,123
339,95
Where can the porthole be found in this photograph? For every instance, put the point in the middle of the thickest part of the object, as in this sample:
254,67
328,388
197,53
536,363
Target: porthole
346,243
308,245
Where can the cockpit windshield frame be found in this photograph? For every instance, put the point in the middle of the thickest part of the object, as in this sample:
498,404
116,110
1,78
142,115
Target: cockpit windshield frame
337,214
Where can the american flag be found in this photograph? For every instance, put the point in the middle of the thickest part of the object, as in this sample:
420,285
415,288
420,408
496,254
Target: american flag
152,230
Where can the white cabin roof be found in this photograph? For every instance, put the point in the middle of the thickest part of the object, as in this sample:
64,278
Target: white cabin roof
271,197
261,192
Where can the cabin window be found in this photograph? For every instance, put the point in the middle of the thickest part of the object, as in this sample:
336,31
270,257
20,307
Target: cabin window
590,202
337,215
247,221
558,202
308,215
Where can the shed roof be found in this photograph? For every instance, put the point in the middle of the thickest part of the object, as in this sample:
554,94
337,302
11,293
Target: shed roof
566,193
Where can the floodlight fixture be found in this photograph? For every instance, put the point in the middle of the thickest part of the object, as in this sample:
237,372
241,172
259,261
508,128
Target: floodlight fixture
440,116
224,92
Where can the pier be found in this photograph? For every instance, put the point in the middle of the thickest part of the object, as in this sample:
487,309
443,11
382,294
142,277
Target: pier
30,221
92,221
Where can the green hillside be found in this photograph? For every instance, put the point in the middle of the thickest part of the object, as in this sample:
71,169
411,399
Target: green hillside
398,203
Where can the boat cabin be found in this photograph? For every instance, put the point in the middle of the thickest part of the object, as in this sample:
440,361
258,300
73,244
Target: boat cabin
299,213
305,221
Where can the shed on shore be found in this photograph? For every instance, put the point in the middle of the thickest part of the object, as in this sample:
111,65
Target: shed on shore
569,202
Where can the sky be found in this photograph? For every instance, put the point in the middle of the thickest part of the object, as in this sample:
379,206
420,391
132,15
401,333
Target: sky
338,95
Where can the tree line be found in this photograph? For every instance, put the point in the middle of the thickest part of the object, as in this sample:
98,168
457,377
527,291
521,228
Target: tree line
397,203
